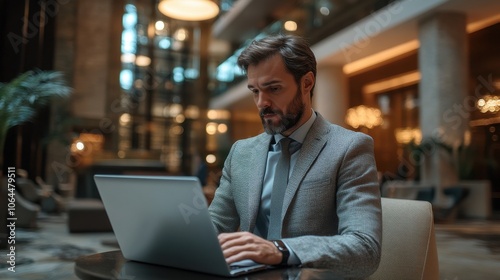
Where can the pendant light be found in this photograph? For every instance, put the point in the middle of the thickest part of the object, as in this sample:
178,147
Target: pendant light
189,10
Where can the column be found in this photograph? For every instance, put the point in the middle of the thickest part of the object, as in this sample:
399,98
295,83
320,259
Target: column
443,65
330,94
87,51
92,55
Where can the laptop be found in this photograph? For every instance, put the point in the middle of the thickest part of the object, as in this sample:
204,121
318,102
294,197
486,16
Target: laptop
164,220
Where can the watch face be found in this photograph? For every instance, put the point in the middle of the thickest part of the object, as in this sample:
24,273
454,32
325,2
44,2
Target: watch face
280,246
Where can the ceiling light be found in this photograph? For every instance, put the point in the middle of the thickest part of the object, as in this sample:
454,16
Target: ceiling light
189,10
290,25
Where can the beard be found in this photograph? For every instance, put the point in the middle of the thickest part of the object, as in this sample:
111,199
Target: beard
295,111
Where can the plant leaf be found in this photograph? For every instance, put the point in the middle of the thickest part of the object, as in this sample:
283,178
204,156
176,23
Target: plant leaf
30,91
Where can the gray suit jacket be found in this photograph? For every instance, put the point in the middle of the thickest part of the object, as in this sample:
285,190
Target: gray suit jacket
332,203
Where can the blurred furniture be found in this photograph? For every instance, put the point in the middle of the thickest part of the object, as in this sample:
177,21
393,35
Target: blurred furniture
475,202
26,211
86,187
456,197
403,189
479,199
408,241
50,201
87,215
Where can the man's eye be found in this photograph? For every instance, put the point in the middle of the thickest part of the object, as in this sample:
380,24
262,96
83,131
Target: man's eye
275,89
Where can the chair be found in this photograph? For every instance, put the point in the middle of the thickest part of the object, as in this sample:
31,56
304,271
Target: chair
408,241
87,215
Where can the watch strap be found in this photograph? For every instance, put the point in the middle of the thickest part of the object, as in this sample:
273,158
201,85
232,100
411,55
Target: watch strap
280,245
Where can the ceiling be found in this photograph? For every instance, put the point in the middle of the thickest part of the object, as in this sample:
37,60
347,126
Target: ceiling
247,18
400,27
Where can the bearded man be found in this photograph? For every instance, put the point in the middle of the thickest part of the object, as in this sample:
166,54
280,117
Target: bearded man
306,191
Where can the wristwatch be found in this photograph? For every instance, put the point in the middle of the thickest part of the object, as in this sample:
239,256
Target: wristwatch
284,251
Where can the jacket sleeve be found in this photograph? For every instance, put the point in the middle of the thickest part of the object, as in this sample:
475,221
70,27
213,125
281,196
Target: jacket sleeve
223,209
356,250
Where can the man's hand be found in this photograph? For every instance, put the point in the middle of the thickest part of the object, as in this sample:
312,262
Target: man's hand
239,246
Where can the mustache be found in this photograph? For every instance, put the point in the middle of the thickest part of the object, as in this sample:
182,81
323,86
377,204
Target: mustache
268,110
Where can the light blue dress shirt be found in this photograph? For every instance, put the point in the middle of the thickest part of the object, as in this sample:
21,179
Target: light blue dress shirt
273,155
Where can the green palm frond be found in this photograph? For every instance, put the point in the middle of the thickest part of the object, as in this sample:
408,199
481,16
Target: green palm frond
20,99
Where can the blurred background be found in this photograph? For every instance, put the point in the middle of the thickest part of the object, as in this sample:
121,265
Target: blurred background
140,87
158,93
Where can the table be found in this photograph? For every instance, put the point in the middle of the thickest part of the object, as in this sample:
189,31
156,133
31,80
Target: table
112,265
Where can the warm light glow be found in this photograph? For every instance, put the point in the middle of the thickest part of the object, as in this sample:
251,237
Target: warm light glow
180,34
399,81
482,23
211,158
192,112
363,116
218,114
125,118
159,25
407,135
222,128
380,57
488,104
80,146
467,137
176,130
212,114
121,154
413,45
189,10
211,128
128,58
174,110
290,25
142,61
180,118
87,143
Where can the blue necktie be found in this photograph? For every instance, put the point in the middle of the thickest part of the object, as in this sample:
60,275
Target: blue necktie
279,188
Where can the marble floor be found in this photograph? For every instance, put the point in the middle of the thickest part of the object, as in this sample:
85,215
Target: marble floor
467,250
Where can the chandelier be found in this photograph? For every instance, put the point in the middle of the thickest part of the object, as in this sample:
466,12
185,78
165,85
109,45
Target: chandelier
489,103
363,116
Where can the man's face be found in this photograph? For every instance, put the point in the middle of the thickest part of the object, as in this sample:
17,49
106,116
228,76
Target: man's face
278,97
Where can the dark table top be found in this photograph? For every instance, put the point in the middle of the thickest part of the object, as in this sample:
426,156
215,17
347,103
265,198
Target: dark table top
112,265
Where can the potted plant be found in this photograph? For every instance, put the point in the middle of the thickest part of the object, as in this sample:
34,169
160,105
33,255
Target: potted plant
22,97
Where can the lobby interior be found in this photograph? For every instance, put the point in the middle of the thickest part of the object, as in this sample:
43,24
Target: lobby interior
155,95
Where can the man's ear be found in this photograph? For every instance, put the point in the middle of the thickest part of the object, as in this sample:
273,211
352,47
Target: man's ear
307,82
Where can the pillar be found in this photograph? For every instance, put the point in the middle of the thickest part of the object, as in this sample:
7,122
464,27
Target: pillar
330,94
443,65
87,51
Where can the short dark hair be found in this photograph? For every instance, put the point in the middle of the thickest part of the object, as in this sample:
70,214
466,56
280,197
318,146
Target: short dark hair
294,50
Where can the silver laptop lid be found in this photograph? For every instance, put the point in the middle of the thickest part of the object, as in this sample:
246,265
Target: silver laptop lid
162,220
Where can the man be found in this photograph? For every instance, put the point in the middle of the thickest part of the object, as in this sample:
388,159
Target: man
330,211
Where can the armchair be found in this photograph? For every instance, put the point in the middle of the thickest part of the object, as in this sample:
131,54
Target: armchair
408,241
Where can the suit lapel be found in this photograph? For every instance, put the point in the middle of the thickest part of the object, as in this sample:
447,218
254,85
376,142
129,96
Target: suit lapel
257,161
313,144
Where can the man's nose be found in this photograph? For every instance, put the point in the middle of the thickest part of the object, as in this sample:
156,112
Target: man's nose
262,101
